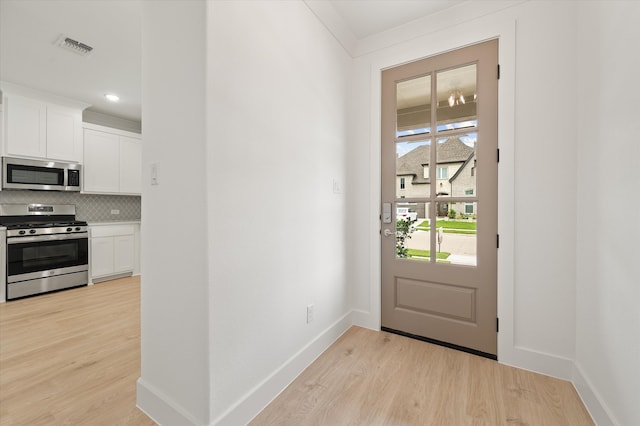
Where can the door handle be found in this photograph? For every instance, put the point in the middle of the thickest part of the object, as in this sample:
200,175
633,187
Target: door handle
388,232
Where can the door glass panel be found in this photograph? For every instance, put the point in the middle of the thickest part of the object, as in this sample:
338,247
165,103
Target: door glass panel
457,96
456,232
456,168
412,231
412,169
413,106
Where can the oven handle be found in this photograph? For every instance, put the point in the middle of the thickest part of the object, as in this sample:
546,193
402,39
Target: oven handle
41,238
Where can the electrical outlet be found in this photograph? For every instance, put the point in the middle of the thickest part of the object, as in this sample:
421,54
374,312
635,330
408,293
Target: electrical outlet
115,211
309,313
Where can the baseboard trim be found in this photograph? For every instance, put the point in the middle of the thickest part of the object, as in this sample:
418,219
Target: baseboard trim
160,408
538,362
243,411
598,410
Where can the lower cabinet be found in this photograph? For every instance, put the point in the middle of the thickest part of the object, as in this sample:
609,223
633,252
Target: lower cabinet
113,251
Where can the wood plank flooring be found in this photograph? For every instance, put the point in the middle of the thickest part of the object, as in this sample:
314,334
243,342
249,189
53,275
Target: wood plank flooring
378,378
72,357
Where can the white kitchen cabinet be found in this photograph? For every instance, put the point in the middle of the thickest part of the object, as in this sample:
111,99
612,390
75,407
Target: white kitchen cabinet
37,127
113,251
64,133
123,253
112,161
26,127
130,165
101,165
102,257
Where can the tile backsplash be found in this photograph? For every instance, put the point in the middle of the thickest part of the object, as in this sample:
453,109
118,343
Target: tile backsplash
89,207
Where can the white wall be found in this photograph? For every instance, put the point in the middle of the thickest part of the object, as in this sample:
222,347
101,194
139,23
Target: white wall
174,383
608,271
278,119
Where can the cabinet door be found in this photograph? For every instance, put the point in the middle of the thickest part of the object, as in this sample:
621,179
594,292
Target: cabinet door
102,256
101,162
26,127
64,133
123,253
130,165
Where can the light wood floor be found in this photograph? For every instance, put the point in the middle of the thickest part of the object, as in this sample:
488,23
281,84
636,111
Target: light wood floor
72,358
378,378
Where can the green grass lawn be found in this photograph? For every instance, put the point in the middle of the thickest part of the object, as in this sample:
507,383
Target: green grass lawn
427,253
450,226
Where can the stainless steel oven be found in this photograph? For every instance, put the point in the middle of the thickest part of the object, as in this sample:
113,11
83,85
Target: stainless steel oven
47,249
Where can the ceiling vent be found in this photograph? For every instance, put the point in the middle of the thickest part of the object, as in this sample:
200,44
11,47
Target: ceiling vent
75,46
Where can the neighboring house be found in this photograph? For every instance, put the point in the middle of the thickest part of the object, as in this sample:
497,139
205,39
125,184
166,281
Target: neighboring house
455,175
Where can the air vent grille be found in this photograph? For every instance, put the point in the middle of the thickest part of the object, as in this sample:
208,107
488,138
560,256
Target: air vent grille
75,46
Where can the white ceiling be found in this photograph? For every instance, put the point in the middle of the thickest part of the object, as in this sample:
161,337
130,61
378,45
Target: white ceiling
368,17
29,57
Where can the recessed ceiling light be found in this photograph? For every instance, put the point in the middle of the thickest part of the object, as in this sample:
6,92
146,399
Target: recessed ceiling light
112,97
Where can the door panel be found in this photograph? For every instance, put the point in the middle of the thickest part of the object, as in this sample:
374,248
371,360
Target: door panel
439,273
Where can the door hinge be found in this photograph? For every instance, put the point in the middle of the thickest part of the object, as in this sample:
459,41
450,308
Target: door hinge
498,71
497,240
497,325
498,155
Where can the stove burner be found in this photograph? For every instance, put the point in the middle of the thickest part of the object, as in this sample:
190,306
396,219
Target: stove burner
31,225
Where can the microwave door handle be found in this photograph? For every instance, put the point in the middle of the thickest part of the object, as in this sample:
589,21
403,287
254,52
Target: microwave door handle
41,238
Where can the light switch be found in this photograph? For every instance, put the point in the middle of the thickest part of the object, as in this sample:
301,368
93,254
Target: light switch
337,188
154,173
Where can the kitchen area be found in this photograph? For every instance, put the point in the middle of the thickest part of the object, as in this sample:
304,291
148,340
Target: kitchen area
70,145
70,197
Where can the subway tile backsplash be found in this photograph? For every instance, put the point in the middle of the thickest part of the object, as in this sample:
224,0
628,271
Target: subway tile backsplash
89,207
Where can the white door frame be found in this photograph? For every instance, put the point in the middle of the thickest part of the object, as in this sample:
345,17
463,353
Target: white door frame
429,45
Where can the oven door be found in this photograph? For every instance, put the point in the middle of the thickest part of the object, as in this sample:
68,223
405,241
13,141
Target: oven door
46,255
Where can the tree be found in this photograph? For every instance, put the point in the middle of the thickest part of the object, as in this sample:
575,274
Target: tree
403,233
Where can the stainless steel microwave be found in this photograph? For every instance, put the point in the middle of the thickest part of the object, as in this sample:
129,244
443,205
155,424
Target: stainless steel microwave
19,173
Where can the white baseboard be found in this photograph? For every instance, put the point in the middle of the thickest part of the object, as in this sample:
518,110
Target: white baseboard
538,362
161,408
261,395
364,319
600,414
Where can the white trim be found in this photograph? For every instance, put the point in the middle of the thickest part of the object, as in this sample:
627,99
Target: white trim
254,401
600,413
9,89
460,15
333,22
112,130
160,407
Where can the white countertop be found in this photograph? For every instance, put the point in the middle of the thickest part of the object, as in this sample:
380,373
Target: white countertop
119,222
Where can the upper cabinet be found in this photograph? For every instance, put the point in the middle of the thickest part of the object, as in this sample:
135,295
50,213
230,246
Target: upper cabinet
44,127
112,161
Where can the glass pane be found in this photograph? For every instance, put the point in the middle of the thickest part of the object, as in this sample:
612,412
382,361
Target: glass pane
456,233
456,168
457,98
412,231
413,106
412,169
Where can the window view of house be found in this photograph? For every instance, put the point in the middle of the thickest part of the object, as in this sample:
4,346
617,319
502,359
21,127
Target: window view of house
453,176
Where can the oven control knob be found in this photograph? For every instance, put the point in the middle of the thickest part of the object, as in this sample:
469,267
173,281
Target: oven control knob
22,232
69,229
33,231
77,228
